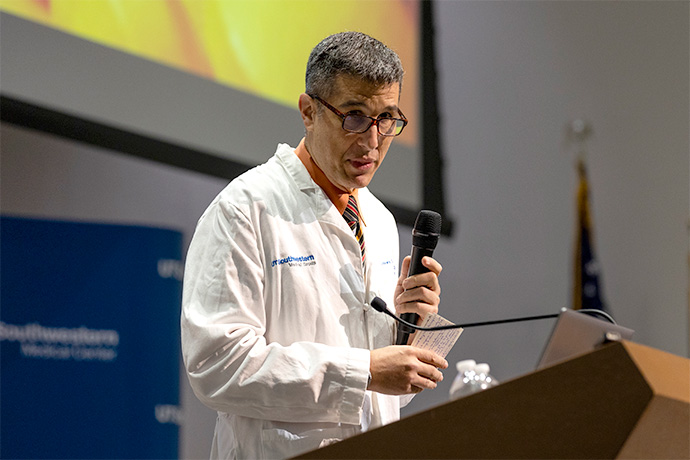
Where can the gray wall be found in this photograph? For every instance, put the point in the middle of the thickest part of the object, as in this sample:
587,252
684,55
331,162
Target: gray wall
512,76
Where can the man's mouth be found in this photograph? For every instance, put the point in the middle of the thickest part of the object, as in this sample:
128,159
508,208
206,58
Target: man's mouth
362,164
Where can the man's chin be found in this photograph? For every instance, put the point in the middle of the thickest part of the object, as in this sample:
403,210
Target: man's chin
361,181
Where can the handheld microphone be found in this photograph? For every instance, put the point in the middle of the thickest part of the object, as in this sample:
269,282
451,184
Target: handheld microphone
427,229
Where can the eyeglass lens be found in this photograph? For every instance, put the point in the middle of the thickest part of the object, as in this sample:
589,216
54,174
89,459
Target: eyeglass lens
359,124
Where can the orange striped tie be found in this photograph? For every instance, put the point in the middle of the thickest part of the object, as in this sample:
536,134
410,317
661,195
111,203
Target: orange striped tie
351,216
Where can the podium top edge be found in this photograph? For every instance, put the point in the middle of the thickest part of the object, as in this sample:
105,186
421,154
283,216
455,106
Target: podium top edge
667,374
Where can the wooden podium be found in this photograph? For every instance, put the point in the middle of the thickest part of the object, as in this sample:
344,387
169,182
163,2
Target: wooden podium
623,400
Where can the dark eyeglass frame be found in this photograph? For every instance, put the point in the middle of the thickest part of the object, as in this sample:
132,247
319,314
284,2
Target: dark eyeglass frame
374,121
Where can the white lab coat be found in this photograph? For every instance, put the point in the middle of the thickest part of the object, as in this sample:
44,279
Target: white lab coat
276,323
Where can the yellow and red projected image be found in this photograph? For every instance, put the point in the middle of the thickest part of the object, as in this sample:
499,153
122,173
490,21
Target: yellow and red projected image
257,46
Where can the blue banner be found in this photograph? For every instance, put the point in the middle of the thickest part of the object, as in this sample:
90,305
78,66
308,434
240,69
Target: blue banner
89,340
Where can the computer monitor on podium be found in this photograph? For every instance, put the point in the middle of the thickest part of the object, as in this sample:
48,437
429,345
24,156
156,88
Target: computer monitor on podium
577,333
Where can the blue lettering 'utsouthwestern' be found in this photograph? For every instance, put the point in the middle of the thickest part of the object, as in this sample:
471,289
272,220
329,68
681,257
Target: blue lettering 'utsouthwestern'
298,261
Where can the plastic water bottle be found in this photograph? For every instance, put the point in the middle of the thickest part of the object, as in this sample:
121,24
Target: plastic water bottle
471,378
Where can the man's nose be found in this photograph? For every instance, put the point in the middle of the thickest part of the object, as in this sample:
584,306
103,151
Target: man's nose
370,137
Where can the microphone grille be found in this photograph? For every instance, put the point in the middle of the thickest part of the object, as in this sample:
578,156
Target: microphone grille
428,222
378,304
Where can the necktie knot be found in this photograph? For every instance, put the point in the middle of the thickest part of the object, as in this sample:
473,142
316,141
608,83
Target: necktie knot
351,216
351,213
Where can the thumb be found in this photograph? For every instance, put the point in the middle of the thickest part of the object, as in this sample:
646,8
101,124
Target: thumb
432,358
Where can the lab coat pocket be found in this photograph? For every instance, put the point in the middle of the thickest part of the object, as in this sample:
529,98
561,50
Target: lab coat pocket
281,443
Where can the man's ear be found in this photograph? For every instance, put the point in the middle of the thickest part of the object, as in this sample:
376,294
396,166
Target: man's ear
307,110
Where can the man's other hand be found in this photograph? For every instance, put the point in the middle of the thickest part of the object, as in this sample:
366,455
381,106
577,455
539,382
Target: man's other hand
398,370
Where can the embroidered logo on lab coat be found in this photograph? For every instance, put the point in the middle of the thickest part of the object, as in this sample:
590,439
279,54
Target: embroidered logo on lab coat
299,261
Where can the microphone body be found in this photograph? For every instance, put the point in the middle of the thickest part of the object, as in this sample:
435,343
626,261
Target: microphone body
416,268
427,229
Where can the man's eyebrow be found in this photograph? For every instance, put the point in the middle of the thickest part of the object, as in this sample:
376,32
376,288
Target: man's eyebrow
355,104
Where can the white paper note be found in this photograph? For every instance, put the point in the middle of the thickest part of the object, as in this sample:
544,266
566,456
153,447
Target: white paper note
439,342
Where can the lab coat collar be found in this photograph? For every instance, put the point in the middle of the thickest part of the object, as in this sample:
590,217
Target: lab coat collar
324,209
295,168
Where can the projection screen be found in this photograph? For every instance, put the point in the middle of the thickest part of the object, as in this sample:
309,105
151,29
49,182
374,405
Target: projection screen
210,85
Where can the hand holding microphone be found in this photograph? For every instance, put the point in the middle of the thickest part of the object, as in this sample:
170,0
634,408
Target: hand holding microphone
418,289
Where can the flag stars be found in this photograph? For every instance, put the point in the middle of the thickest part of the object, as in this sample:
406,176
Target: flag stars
592,268
589,290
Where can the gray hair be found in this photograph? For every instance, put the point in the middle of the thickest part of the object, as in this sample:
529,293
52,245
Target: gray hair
354,54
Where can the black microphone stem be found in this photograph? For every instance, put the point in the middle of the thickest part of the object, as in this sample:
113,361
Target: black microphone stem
510,320
379,305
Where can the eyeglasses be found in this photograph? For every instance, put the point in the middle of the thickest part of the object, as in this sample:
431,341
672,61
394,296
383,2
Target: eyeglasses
352,123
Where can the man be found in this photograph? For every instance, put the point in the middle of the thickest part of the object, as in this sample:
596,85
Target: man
277,331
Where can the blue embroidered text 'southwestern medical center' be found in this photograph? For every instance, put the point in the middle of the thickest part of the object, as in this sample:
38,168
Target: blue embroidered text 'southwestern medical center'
300,261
